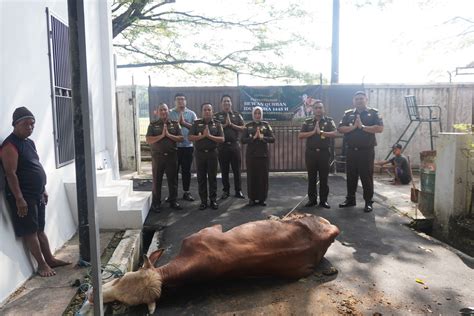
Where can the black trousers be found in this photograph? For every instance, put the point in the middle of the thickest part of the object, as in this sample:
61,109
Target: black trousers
206,163
185,160
229,156
257,177
165,164
317,164
360,163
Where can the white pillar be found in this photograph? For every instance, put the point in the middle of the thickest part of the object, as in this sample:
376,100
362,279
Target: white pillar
454,168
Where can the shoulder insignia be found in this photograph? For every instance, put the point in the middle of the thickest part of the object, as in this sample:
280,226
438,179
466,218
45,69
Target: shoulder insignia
374,110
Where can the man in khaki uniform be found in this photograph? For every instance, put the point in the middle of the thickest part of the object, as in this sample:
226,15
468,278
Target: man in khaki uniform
229,151
206,133
317,131
163,135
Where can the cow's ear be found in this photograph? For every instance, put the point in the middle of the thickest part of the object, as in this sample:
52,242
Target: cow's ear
155,255
146,262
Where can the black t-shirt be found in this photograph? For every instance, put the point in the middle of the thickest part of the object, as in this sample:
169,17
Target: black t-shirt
402,163
30,172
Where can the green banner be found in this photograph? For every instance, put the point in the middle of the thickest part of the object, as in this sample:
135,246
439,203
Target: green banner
279,103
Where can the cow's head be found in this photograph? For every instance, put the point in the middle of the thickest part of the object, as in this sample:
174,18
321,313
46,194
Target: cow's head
135,288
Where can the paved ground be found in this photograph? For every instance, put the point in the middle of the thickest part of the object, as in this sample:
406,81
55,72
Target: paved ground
50,296
378,258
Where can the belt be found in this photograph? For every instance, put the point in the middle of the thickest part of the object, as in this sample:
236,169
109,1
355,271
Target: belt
360,148
229,143
206,150
166,154
318,149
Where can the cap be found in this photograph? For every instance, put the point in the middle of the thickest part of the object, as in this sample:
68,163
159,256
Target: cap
360,92
397,146
21,113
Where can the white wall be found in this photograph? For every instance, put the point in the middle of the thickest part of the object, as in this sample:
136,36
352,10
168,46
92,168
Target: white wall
456,102
25,81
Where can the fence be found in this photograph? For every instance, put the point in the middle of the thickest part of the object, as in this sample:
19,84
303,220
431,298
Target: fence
287,154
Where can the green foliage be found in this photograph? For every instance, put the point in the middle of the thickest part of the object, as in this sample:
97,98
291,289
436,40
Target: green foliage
464,127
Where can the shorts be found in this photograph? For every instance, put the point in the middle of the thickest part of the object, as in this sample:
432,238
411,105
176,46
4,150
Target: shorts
34,220
403,177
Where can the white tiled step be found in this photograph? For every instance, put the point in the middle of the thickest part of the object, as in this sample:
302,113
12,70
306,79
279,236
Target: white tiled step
103,177
118,206
131,213
116,190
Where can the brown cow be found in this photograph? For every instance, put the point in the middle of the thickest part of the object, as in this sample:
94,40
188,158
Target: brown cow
289,248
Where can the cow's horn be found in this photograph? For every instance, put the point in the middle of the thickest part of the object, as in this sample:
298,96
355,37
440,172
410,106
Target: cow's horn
151,307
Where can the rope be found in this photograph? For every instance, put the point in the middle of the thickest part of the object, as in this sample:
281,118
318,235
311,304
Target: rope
294,208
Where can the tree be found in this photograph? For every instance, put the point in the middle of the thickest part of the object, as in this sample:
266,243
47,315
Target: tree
158,34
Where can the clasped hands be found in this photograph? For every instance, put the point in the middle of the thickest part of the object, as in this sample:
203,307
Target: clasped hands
165,132
358,123
317,130
227,122
258,134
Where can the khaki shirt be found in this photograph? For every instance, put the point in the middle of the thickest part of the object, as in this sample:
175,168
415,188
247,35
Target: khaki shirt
326,124
165,145
258,147
359,138
230,134
215,129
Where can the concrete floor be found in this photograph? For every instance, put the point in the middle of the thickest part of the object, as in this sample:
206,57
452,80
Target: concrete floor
378,258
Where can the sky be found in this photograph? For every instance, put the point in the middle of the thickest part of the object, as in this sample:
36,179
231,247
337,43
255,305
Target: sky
405,41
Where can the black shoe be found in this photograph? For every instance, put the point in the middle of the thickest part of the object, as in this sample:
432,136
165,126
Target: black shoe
368,207
324,204
239,194
188,197
203,206
311,203
251,203
225,195
214,205
262,203
175,206
155,208
347,203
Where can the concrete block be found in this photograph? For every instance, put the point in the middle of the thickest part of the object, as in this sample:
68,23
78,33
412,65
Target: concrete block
127,254
454,168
